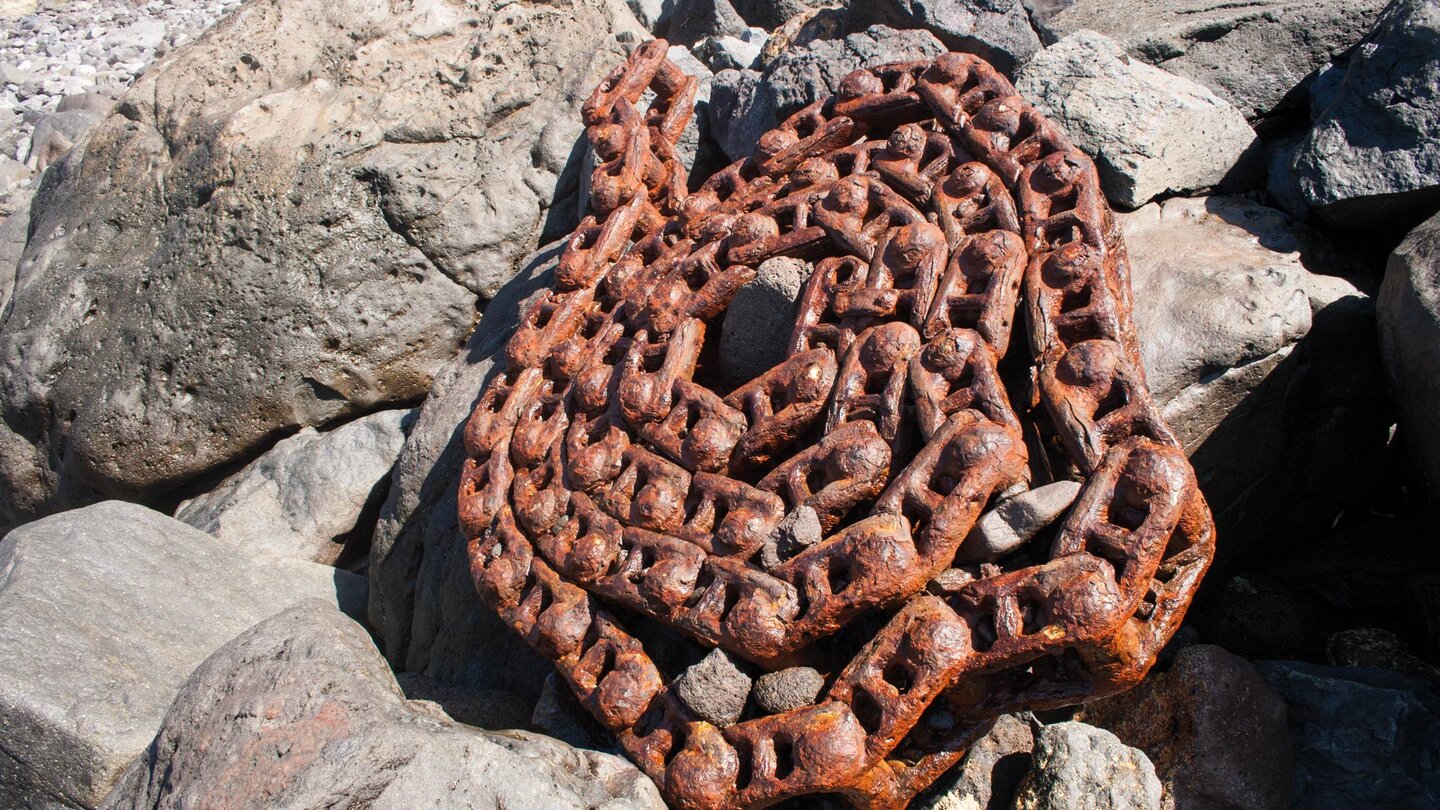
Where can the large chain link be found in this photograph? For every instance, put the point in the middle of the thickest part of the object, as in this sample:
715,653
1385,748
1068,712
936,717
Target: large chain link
602,476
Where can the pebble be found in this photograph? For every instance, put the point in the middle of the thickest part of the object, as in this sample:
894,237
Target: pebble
787,689
714,688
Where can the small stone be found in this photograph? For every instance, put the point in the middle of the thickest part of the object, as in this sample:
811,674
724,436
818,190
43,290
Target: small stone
797,531
990,772
714,688
1014,522
732,53
787,689
756,328
1080,766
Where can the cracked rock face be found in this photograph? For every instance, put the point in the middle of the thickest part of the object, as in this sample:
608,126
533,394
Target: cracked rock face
285,224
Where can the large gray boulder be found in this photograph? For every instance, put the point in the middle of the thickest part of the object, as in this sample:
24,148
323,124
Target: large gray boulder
302,712
986,779
998,31
285,223
423,605
107,610
744,104
1264,366
1213,728
309,495
1257,55
1080,766
1363,737
1371,157
1409,315
1151,133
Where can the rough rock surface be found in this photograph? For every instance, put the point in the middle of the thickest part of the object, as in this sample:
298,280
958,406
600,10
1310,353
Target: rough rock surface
1409,314
107,609
1081,766
1363,737
988,776
1376,648
1371,156
307,496
786,689
694,20
714,688
998,31
1253,54
301,711
744,104
423,606
1265,370
1213,728
1150,132
756,327
284,224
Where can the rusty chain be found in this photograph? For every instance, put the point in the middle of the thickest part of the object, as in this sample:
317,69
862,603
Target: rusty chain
605,477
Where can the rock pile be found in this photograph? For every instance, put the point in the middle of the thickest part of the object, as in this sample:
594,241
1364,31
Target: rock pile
256,278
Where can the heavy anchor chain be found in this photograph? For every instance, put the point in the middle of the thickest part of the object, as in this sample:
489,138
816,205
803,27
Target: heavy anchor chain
610,474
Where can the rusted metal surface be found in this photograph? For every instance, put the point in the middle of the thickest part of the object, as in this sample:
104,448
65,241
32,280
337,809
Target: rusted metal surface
610,473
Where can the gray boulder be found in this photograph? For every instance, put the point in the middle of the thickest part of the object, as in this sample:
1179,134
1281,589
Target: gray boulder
1150,132
756,328
1409,315
1257,55
107,610
998,31
58,132
986,779
1371,157
1265,368
771,14
1079,766
268,233
423,607
694,20
306,497
744,104
1363,737
302,712
1213,728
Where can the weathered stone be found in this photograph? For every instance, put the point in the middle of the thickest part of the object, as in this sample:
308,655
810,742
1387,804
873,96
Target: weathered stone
1081,766
998,31
301,711
1014,522
1371,158
1363,737
786,689
1150,132
557,714
316,248
1257,55
57,133
107,609
423,605
1259,365
1408,311
796,532
756,328
987,778
745,104
1258,617
694,20
1213,728
771,14
308,496
1375,648
13,231
714,688
731,52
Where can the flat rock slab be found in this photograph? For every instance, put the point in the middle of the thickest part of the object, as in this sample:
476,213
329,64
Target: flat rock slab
1150,132
306,496
1254,54
107,610
302,712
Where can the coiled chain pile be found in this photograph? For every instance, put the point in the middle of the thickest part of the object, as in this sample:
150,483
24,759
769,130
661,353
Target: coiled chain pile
607,484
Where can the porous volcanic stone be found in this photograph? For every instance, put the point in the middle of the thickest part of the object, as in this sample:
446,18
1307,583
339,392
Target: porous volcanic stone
786,689
714,688
1077,765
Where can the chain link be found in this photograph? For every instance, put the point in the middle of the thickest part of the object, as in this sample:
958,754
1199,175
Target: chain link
935,203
